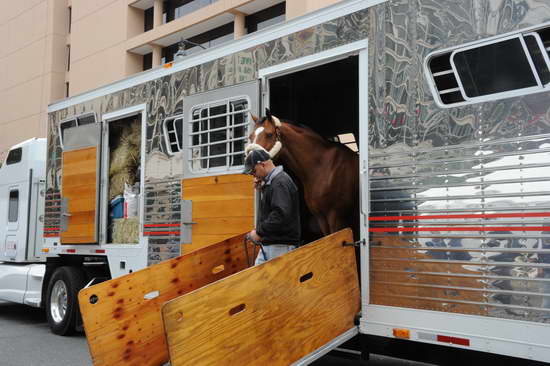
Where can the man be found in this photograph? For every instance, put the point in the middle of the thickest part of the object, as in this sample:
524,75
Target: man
278,225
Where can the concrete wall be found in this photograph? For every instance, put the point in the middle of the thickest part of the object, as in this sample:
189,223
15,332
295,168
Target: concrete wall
103,38
32,66
99,31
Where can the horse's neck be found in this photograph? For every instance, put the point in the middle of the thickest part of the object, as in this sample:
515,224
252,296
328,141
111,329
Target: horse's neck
301,152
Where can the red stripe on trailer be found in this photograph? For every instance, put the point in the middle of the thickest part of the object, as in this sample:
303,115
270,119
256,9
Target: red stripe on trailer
460,341
161,233
161,225
442,338
55,235
71,250
101,251
465,216
463,228
51,229
453,340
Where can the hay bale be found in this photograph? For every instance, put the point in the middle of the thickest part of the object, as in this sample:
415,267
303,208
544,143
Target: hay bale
127,153
125,156
126,231
117,181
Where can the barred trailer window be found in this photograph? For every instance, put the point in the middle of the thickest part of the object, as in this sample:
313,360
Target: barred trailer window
218,134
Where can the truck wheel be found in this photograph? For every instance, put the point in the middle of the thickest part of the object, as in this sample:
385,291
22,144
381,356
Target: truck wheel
62,299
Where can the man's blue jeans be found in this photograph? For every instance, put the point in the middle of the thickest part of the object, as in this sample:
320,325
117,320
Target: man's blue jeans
272,251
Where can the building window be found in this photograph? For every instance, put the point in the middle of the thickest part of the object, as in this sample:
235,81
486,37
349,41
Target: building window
148,61
218,133
82,120
208,39
496,69
13,206
14,156
173,134
149,19
265,18
68,57
174,9
70,19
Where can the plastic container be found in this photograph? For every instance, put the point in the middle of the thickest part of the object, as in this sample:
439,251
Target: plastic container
117,207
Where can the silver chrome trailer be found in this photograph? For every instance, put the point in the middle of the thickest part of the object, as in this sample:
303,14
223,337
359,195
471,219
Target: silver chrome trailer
447,104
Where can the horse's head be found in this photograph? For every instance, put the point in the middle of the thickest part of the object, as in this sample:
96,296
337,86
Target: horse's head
266,134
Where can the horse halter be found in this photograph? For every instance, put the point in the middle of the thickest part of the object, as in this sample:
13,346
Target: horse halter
278,144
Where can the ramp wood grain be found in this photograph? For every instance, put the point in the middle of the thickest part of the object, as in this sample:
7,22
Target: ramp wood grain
265,315
123,328
223,206
78,185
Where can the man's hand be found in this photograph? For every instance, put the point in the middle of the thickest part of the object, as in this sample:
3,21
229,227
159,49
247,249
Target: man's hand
257,183
254,236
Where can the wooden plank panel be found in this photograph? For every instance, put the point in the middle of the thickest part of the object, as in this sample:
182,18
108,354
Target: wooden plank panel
78,186
123,328
223,206
218,179
222,225
77,156
217,191
265,315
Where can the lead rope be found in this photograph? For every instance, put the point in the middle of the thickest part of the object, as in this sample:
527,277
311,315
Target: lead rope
247,238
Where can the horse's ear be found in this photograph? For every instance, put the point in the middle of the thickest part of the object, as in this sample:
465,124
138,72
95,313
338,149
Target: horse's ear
268,113
254,118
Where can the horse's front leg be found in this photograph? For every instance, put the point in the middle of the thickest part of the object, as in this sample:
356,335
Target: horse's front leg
337,221
323,224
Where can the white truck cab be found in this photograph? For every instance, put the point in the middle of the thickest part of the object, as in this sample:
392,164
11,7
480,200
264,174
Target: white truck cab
22,263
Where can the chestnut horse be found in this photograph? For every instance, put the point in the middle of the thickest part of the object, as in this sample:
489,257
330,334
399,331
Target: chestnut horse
328,171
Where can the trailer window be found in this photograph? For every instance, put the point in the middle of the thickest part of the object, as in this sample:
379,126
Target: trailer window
81,120
218,133
14,156
507,67
173,134
13,207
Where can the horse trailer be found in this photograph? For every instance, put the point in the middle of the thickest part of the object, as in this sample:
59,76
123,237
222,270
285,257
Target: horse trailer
445,103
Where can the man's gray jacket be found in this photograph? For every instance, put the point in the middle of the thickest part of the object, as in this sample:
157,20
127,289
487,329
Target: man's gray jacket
279,211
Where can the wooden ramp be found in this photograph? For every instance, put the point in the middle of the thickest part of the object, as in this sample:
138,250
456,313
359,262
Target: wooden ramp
122,317
272,314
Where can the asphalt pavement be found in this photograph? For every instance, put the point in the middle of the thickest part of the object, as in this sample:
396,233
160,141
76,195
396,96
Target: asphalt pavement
26,340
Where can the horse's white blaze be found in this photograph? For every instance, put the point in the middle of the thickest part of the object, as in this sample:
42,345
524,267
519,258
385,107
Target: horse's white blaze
255,146
258,131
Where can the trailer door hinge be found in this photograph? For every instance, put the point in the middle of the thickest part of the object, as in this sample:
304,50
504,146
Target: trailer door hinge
355,243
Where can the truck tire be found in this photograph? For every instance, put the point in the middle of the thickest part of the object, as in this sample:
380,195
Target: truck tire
62,300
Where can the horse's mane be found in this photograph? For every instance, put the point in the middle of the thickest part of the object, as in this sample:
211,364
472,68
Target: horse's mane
307,128
300,125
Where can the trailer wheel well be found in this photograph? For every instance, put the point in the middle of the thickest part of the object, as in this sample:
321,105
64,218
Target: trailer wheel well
74,261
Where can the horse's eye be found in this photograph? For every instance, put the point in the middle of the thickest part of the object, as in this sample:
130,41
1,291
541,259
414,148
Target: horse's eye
269,135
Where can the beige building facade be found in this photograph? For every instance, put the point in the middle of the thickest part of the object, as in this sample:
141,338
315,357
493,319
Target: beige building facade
53,49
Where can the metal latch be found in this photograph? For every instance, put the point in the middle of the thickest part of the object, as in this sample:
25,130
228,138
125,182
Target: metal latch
355,243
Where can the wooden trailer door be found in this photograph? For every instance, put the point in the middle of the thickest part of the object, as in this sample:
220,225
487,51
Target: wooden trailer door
80,184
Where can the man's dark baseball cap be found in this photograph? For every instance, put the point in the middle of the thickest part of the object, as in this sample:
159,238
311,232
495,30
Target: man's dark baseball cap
254,157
